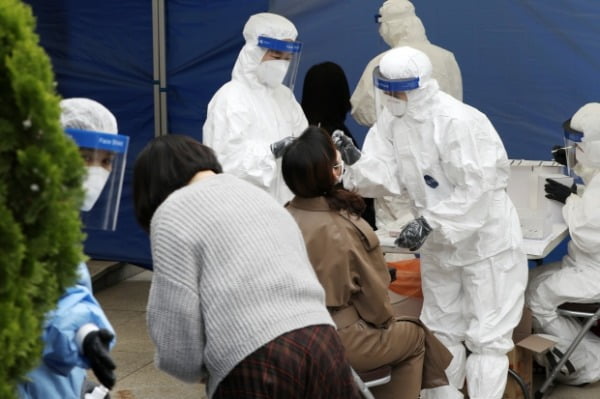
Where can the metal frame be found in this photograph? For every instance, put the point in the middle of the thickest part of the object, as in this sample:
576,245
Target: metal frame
591,320
362,387
159,51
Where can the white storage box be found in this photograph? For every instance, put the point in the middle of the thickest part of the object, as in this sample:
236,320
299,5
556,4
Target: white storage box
537,213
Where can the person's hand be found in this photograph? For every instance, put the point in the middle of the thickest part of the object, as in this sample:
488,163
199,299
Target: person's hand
350,154
279,146
557,191
414,234
559,154
95,349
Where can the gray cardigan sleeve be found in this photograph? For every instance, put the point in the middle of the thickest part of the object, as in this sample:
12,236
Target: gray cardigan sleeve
174,317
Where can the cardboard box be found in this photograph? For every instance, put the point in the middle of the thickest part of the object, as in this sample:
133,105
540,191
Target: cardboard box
520,359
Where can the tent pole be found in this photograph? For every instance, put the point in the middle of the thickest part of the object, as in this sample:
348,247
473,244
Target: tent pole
159,68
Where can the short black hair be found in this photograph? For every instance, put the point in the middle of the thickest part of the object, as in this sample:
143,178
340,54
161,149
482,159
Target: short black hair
166,164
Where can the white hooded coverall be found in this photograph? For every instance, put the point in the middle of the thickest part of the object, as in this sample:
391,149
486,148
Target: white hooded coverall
400,26
577,277
447,157
245,116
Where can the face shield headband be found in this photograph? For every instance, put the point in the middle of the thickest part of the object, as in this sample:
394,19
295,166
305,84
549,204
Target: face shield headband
385,90
279,45
385,84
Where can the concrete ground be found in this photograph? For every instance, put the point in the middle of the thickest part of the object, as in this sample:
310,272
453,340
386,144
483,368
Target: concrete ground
123,296
122,290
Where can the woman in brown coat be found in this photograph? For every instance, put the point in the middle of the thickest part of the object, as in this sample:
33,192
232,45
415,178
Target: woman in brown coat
349,263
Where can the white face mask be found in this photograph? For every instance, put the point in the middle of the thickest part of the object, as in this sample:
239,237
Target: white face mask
338,169
396,106
271,73
93,185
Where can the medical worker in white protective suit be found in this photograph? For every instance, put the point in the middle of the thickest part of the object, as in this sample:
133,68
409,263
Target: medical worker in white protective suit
400,26
252,118
447,157
77,335
577,277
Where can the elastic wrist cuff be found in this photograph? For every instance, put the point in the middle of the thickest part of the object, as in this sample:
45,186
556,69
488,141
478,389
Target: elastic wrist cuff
83,331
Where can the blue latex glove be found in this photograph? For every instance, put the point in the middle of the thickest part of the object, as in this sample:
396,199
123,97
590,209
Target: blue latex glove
350,154
414,234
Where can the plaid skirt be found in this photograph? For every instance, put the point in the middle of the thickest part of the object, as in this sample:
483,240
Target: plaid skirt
307,363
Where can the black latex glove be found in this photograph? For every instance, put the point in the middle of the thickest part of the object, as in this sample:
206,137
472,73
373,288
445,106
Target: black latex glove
414,234
557,191
559,154
344,144
95,349
278,147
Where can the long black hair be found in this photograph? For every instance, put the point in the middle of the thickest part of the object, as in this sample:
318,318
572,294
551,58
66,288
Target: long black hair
326,97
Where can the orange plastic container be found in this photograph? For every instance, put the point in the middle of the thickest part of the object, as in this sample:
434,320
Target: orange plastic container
408,278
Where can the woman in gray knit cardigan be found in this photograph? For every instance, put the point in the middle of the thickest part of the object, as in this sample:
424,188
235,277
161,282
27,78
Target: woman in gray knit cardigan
234,301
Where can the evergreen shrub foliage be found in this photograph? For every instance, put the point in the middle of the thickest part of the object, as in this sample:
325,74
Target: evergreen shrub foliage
40,193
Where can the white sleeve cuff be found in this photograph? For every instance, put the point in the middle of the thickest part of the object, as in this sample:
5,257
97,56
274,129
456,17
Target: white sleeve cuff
83,332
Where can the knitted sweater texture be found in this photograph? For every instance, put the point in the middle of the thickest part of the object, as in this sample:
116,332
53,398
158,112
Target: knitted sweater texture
231,273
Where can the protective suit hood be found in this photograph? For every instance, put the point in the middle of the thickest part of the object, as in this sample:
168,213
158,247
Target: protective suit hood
587,121
405,63
86,114
400,24
262,24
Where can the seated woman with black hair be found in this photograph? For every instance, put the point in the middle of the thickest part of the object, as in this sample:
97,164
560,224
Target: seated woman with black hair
349,263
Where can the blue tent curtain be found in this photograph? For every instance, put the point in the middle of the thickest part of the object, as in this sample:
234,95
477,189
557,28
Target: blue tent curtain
529,65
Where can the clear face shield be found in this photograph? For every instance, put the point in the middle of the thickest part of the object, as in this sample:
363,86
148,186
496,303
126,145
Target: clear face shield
572,148
390,94
104,155
582,153
280,62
